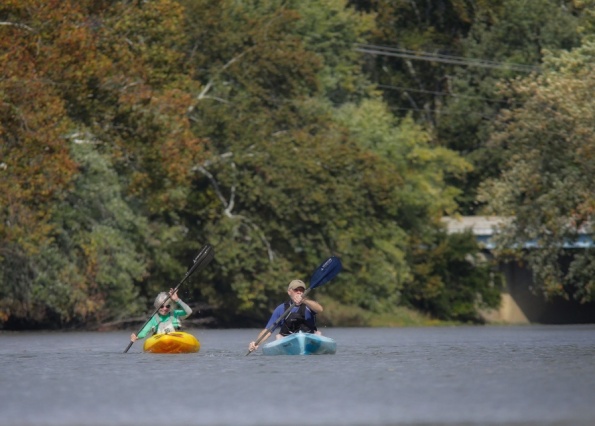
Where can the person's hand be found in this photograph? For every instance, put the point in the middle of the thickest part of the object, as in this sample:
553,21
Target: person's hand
133,337
174,295
297,297
252,347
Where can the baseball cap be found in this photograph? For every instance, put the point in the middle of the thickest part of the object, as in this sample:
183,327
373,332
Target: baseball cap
296,284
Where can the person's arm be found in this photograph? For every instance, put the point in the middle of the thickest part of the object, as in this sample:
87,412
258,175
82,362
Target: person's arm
185,307
298,298
144,331
314,306
253,346
266,333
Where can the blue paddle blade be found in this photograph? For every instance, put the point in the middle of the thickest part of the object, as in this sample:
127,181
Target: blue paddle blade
326,272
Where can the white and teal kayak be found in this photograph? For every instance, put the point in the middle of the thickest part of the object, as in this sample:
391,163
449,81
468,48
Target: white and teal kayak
301,344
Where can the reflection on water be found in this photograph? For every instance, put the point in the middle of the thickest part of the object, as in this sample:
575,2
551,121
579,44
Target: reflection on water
530,375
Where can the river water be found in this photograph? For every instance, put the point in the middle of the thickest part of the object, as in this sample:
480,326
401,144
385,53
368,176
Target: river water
494,375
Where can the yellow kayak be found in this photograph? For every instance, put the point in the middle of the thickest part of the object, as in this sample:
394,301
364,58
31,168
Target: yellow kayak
177,342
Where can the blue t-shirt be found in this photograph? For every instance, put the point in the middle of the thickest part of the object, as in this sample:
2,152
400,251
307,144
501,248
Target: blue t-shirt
281,308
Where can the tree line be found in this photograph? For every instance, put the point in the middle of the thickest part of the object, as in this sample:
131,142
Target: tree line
283,132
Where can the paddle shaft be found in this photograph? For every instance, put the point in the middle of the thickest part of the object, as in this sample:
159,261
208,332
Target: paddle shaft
202,260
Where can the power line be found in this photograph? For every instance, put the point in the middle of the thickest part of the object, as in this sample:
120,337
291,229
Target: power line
436,57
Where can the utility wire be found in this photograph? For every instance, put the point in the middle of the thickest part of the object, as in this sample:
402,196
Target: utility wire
436,57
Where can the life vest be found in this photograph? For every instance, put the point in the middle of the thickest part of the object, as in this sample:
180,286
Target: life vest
170,325
296,321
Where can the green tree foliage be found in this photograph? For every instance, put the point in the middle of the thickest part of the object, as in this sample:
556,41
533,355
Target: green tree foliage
87,274
431,270
500,47
414,32
106,73
451,279
587,17
294,177
36,168
421,165
138,131
279,168
330,30
547,184
146,98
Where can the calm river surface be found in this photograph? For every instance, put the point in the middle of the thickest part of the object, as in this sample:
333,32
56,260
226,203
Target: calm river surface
518,375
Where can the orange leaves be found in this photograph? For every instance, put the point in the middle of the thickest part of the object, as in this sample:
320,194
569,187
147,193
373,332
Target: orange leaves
49,49
160,143
36,163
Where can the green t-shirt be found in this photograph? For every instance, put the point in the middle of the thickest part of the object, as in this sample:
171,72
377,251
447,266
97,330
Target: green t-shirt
159,324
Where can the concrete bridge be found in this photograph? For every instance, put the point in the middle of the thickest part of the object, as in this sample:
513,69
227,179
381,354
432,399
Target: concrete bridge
520,303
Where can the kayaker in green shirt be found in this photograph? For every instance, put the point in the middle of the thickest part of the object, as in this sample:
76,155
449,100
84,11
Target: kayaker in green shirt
168,318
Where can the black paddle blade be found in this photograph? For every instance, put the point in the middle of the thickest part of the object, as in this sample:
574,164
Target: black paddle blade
202,259
326,272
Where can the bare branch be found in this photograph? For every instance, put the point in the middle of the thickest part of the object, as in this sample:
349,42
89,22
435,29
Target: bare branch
13,24
203,93
211,178
229,205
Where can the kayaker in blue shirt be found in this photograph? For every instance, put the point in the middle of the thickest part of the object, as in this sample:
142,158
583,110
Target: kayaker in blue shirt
301,318
167,318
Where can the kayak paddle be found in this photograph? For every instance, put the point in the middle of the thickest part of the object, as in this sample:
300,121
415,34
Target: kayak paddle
202,259
323,274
